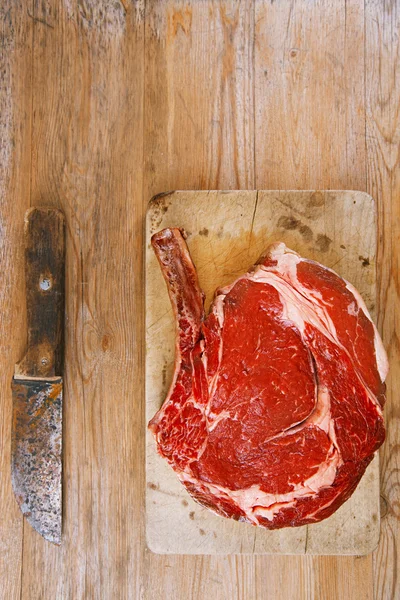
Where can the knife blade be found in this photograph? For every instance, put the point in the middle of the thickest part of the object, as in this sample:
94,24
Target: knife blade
37,385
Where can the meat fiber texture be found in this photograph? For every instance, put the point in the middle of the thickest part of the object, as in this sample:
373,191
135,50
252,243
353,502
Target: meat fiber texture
275,408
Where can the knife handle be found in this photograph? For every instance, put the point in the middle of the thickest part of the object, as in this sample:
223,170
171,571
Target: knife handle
44,274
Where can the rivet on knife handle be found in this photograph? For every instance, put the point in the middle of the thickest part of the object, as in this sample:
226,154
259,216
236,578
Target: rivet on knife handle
36,453
44,273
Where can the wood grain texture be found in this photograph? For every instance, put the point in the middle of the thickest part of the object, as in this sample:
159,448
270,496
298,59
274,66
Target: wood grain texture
87,157
227,232
310,132
202,52
199,120
309,90
15,157
383,159
291,94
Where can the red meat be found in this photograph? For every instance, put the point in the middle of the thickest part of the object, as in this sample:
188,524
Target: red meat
275,408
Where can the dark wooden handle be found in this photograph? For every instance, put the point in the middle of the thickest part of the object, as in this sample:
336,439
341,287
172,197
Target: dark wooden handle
44,271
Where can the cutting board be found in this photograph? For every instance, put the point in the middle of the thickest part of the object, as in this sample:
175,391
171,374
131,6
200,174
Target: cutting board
227,231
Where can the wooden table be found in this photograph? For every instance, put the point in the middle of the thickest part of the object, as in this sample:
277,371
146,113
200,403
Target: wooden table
104,104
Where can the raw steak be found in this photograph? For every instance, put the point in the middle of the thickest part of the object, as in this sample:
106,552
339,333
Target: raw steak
275,408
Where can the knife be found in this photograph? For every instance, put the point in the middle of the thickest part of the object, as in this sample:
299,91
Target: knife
36,438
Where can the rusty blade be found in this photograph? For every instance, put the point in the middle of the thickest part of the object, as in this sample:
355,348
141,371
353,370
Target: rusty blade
36,459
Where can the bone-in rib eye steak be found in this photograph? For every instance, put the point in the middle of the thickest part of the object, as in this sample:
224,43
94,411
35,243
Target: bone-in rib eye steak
275,408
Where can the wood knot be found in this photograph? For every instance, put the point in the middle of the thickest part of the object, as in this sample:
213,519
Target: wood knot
384,506
105,342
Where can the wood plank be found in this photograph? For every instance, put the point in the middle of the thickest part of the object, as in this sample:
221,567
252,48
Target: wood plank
318,115
309,95
383,142
329,578
15,158
309,98
227,232
199,129
280,577
87,141
199,134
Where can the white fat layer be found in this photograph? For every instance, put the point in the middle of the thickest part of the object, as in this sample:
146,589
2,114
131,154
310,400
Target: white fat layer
256,503
352,309
214,419
299,308
382,362
287,265
320,417
218,308
287,260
